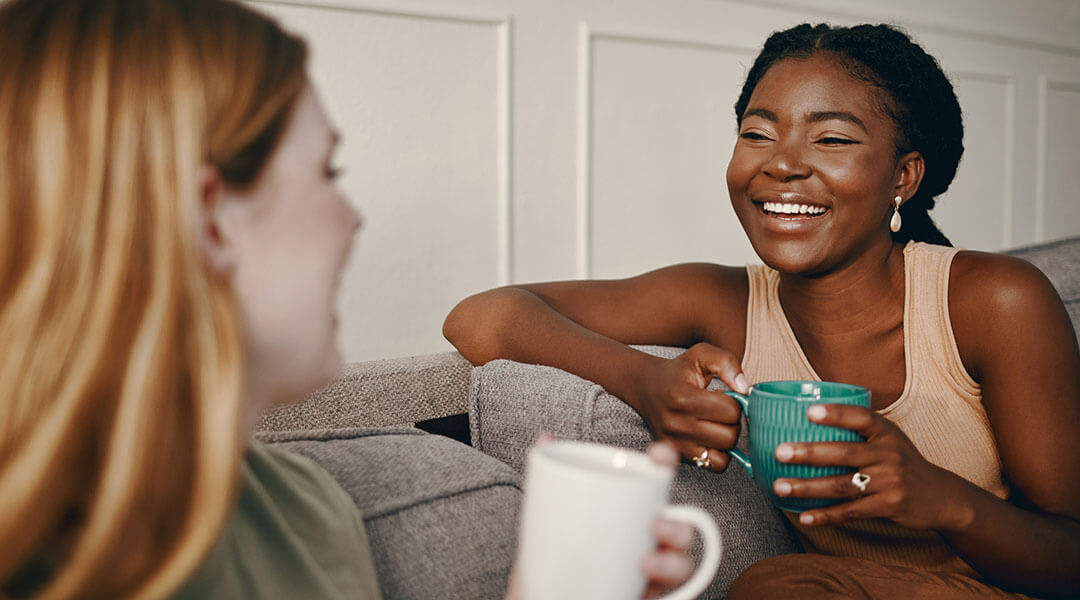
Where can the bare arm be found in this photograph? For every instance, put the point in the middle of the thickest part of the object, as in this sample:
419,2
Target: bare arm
1023,347
584,327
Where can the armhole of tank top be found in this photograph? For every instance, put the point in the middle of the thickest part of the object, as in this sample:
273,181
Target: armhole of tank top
956,367
753,273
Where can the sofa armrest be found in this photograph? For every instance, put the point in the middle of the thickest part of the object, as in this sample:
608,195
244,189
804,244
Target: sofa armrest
378,393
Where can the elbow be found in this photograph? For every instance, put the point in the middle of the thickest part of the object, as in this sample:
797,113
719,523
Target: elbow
455,327
471,329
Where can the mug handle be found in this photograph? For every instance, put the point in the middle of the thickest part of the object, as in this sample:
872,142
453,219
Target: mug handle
710,561
735,453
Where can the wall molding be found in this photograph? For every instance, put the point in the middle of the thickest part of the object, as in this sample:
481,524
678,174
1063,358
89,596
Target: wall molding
1044,86
915,23
1042,96
395,8
504,60
1008,147
587,38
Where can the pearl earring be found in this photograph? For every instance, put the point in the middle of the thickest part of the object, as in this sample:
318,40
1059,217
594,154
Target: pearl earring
896,222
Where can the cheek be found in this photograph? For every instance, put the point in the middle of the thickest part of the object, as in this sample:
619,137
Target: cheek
740,171
859,176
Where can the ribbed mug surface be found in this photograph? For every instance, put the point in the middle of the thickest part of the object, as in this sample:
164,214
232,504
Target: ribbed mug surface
777,413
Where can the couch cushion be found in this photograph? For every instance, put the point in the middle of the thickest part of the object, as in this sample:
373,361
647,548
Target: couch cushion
441,517
380,393
510,403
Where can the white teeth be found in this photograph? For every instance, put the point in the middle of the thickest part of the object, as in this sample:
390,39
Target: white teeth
793,209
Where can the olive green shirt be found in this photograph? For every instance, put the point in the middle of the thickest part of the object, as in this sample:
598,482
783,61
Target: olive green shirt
293,534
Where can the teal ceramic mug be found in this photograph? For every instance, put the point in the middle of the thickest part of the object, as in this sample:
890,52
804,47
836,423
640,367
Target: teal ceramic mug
776,413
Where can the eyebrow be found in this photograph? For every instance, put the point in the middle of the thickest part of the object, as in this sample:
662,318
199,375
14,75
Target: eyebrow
814,117
837,115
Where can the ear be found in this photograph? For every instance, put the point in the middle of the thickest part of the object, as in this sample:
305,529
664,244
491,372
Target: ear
213,235
909,174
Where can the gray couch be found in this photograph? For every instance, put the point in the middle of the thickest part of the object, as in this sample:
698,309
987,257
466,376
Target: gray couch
442,515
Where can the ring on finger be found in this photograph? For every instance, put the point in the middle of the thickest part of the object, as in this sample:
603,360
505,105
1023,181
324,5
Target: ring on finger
860,480
702,460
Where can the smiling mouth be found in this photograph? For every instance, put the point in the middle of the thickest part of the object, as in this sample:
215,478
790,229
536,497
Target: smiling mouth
791,210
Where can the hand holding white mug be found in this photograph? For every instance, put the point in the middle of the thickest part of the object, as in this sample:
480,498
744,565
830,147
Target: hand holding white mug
586,526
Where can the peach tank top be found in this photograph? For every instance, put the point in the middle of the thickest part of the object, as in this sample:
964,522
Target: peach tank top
940,408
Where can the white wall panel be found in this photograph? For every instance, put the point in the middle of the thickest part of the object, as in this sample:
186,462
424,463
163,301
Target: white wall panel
494,141
976,212
1061,205
418,99
662,132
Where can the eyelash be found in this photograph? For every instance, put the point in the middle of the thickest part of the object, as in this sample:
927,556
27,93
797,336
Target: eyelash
755,136
332,173
836,140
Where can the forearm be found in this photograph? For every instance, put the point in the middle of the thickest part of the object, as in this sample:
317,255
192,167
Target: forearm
515,324
1019,549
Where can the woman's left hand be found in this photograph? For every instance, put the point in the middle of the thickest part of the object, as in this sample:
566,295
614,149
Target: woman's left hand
903,486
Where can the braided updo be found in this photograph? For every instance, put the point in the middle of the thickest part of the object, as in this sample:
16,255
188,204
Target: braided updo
917,96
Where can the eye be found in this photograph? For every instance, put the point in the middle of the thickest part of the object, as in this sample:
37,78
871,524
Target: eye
753,135
836,141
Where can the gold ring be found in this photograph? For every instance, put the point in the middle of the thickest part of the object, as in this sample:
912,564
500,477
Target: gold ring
702,460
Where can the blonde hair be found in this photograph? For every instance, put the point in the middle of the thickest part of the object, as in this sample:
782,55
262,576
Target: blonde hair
120,357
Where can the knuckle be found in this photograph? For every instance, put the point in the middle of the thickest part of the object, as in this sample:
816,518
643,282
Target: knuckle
728,436
894,498
686,450
679,402
849,452
675,424
697,350
843,486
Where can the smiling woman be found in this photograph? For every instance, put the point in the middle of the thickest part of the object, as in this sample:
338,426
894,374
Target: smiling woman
846,136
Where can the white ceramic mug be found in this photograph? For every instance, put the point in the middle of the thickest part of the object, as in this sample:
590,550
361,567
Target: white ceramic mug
587,523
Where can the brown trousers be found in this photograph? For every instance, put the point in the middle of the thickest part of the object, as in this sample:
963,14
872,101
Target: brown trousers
817,576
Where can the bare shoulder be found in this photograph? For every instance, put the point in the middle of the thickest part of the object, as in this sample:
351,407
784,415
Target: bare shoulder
998,301
991,285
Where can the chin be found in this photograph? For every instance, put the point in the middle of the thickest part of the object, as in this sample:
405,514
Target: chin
310,380
788,256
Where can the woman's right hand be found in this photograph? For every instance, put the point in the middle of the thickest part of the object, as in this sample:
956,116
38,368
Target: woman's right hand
677,406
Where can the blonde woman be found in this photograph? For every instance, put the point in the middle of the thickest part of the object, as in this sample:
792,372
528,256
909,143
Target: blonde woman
171,238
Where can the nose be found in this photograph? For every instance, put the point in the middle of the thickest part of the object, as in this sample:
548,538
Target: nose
786,163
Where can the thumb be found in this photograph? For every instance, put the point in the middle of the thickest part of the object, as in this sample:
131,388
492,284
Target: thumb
713,361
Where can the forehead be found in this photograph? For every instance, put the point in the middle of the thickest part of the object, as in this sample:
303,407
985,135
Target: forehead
308,126
794,87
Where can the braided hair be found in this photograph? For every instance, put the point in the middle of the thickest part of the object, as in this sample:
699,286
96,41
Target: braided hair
916,95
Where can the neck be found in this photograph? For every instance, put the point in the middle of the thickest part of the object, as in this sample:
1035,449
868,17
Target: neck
256,401
860,296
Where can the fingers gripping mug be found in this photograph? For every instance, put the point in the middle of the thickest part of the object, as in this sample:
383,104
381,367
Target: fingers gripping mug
587,523
776,413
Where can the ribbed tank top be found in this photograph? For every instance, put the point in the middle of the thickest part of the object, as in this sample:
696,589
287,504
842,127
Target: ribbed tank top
940,408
